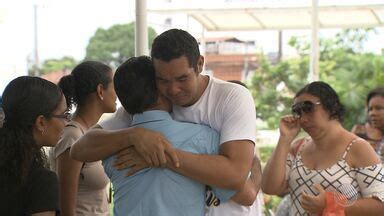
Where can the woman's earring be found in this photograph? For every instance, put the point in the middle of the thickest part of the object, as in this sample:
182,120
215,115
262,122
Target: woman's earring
43,131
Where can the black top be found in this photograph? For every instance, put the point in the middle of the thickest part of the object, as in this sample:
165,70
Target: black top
38,194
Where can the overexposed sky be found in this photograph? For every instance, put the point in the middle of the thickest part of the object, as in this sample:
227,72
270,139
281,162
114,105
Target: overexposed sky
65,27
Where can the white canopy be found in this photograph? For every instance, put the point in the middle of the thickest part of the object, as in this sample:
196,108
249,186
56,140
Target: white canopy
232,17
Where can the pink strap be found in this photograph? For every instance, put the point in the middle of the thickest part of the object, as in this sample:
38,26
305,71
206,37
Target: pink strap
297,147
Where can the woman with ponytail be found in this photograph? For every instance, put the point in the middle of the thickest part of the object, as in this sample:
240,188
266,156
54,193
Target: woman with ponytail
35,115
89,89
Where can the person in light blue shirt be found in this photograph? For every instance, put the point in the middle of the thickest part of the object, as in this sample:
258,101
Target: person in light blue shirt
157,191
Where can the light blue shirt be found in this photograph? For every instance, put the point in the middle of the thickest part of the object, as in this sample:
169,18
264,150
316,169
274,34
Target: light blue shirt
158,191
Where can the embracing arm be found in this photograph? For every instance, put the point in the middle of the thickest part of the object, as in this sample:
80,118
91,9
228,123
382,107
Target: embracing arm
228,170
216,170
98,144
247,195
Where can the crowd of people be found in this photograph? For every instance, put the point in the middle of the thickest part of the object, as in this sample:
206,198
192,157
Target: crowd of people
182,143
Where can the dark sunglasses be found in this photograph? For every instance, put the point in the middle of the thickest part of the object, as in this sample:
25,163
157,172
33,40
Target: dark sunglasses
66,116
303,106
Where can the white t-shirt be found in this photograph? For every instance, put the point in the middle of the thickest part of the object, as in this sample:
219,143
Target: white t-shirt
226,107
231,208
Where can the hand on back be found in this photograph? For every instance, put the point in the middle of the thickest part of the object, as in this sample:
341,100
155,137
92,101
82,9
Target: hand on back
154,147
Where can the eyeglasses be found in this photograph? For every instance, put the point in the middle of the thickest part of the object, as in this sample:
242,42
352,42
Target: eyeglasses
303,106
66,116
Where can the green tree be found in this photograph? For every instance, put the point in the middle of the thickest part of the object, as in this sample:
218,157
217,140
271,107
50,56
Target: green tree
342,64
273,87
52,65
115,44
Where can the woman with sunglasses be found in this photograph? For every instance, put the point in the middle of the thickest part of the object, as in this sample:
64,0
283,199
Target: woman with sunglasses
330,159
90,89
35,116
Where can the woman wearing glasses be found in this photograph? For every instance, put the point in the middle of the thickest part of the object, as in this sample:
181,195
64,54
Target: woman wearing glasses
35,116
90,89
330,159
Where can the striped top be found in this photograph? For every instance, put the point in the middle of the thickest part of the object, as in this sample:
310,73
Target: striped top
367,181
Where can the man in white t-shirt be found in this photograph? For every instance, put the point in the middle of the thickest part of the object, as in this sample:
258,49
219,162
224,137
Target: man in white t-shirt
226,107
217,208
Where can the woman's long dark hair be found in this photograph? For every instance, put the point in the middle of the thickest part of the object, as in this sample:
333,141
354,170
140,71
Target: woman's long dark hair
24,99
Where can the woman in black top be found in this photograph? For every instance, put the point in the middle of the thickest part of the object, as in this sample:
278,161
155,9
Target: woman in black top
35,115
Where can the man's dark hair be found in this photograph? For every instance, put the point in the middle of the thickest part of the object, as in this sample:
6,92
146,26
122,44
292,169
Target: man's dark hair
176,43
379,91
238,82
328,98
135,84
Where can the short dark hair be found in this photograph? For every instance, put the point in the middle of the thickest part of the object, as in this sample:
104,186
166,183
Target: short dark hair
176,43
379,91
328,98
83,81
135,84
238,82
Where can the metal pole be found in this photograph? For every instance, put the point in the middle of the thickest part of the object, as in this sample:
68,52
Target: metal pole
314,60
203,46
141,29
280,51
36,47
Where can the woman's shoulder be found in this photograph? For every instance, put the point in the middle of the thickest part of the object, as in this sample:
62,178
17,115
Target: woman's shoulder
73,128
72,132
361,154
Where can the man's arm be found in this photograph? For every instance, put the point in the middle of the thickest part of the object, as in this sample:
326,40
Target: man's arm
247,195
228,170
98,144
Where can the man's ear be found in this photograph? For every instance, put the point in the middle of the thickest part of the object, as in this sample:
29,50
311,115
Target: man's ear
200,64
100,91
41,123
